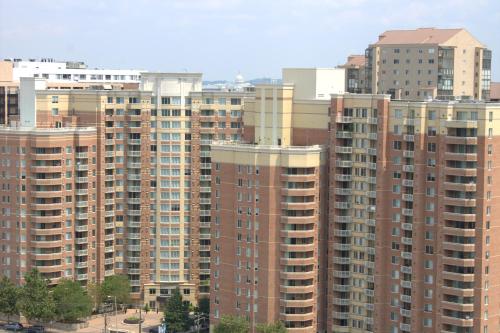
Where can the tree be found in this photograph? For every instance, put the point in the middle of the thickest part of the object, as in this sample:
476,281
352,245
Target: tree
95,292
232,324
116,286
146,308
177,313
35,302
72,302
276,327
8,297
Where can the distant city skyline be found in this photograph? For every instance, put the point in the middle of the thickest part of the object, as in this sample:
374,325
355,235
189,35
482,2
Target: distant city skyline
221,38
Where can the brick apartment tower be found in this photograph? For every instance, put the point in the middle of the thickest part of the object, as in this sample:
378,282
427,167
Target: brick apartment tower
46,186
269,211
415,182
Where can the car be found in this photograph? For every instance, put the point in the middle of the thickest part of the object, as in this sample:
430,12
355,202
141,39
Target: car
153,330
13,326
35,329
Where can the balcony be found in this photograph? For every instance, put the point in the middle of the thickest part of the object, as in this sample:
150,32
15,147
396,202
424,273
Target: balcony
408,153
372,136
82,191
82,167
81,253
134,165
134,141
343,178
109,225
464,172
82,204
341,247
132,176
109,237
459,217
460,156
409,138
408,168
134,153
343,150
82,155
81,179
341,287
82,264
109,213
342,233
408,197
343,135
341,260
109,249
462,123
372,152
81,216
81,228
459,232
134,188
343,164
405,298
467,140
131,212
407,182
343,191
406,240
343,119
82,240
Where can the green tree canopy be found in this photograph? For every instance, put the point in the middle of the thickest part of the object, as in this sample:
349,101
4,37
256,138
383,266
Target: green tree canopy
177,313
9,293
232,324
35,302
95,292
116,286
72,302
276,327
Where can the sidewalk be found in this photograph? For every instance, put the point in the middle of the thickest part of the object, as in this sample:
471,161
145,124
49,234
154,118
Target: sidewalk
96,325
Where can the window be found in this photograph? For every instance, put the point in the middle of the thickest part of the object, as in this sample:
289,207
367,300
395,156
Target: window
431,115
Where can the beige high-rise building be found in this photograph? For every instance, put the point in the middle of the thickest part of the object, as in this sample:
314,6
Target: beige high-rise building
428,63
149,180
415,193
355,75
410,215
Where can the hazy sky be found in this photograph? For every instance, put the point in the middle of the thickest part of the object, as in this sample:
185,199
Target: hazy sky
222,37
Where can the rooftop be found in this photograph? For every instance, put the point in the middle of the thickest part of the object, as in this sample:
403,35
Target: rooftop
355,60
417,36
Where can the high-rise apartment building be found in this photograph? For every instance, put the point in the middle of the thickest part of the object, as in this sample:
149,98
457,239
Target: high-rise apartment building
409,214
150,180
428,63
48,220
269,207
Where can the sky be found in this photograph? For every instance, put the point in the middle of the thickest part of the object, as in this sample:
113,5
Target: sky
223,37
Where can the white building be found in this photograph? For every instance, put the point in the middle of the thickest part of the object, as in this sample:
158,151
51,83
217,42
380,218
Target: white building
67,72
